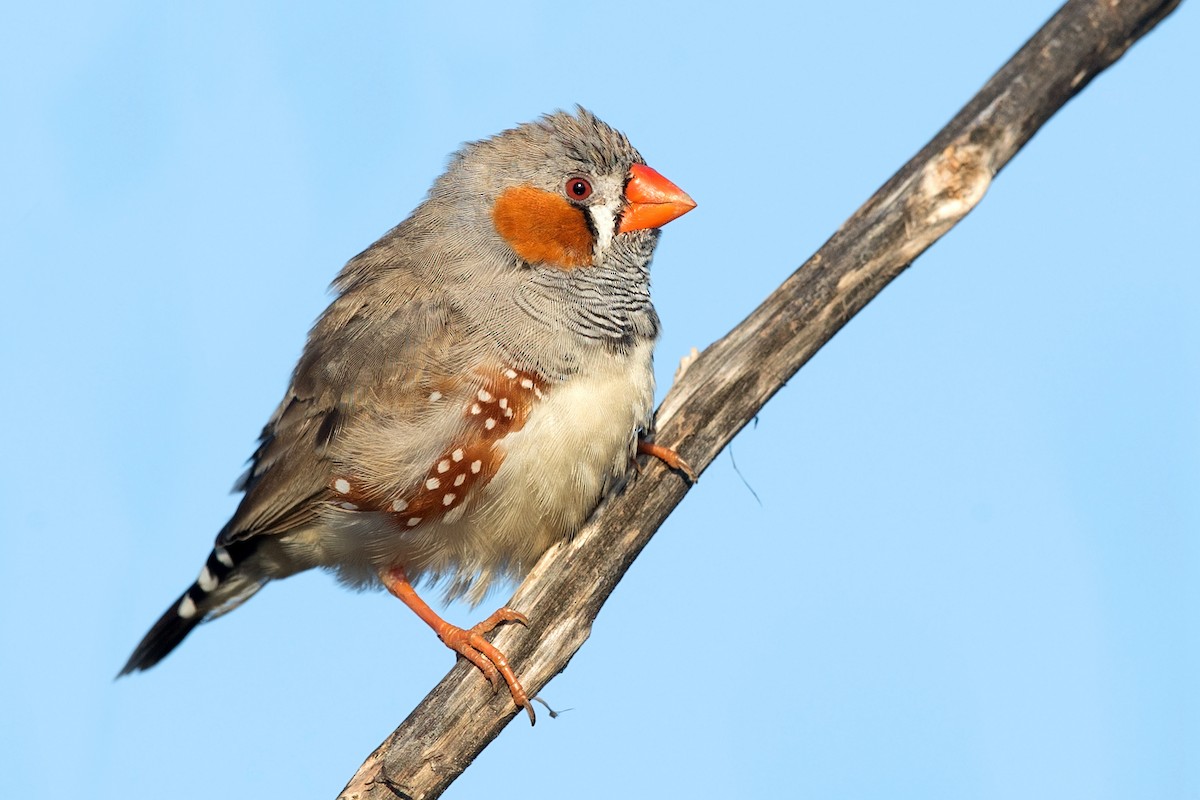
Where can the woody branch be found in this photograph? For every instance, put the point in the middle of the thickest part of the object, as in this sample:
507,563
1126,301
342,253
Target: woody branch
731,381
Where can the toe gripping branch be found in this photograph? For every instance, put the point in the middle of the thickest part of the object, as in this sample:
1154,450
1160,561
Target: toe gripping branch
668,457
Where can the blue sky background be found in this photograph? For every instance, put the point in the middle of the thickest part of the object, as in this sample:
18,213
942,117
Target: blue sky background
973,571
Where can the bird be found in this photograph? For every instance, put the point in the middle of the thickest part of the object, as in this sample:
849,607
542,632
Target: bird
481,380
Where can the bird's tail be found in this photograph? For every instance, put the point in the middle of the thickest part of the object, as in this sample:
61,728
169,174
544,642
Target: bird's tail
223,585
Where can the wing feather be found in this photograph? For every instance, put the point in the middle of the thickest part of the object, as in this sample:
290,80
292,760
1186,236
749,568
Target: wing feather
373,354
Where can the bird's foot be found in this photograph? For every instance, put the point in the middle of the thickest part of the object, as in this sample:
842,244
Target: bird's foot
668,457
470,644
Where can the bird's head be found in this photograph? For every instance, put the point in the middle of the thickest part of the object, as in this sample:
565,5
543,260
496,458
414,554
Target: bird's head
565,192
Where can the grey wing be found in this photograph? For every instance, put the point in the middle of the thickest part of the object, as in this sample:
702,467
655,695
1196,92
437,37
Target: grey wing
371,346
285,481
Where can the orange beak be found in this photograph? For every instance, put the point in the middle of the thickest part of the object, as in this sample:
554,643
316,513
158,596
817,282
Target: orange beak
653,200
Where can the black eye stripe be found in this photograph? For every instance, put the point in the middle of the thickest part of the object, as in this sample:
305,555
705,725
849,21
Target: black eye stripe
591,223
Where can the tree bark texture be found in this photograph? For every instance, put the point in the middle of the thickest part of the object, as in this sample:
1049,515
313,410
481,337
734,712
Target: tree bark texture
730,381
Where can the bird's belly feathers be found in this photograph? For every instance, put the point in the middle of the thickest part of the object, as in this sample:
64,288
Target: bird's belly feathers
577,442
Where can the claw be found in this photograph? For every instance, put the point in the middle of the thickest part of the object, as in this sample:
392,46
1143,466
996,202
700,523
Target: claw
499,617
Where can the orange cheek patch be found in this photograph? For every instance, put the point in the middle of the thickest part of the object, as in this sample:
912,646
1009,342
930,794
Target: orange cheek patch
543,228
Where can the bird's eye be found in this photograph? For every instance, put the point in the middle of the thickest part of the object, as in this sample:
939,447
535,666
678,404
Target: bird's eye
578,188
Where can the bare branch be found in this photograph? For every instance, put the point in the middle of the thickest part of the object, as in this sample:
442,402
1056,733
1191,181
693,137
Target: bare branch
727,385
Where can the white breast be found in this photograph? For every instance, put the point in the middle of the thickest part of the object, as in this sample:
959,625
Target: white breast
577,442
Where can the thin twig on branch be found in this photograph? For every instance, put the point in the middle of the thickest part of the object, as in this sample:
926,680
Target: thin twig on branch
727,385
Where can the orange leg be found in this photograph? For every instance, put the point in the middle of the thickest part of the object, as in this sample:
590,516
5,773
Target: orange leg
668,457
470,644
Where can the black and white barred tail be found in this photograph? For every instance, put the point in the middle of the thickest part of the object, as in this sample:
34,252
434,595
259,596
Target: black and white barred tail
223,584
